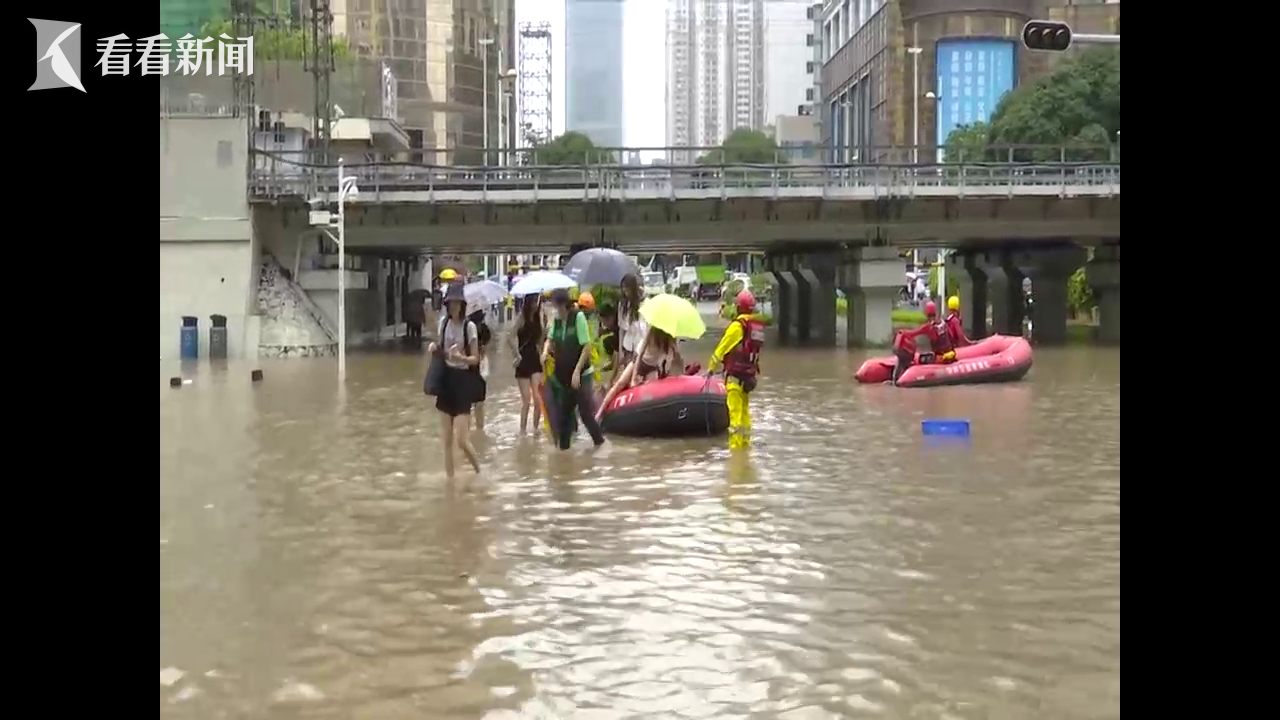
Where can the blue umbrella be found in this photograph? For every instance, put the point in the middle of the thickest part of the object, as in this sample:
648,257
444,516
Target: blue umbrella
536,283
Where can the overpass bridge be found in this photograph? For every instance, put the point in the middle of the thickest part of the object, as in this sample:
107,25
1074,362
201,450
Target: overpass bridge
659,208
824,226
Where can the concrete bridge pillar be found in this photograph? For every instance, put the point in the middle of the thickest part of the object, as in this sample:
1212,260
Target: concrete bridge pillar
1049,268
966,267
817,302
871,280
785,315
1004,292
1103,273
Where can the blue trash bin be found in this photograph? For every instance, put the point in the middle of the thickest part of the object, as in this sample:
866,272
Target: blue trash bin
189,338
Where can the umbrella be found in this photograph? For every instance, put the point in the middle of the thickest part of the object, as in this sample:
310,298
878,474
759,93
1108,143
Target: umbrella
536,283
674,316
599,266
484,292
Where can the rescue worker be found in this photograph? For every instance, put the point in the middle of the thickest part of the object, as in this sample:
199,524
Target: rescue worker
955,326
936,330
571,380
739,352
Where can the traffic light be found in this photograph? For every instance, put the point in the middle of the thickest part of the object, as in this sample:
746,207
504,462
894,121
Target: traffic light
1046,35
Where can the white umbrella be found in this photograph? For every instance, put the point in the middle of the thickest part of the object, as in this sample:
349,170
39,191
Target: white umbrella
538,282
485,292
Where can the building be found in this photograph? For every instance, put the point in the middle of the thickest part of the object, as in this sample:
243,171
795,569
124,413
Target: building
877,95
798,136
436,50
593,70
715,66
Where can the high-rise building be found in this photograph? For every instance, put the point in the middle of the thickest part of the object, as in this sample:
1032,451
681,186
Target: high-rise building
436,51
593,69
744,65
715,70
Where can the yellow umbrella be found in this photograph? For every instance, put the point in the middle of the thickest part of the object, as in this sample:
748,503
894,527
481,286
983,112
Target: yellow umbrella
673,315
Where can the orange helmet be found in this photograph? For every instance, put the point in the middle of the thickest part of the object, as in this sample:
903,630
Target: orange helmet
586,301
746,302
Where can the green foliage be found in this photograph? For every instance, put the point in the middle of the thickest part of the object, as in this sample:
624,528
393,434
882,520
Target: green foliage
1079,295
969,143
953,284
1077,106
283,42
746,147
571,148
606,295
1077,103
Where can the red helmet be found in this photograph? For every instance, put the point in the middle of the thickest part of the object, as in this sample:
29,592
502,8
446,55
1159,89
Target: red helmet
746,302
930,309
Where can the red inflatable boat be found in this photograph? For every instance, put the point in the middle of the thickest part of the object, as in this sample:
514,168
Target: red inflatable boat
999,358
676,405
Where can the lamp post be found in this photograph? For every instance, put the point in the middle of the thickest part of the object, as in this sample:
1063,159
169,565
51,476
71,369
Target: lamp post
937,107
346,189
504,114
915,104
484,103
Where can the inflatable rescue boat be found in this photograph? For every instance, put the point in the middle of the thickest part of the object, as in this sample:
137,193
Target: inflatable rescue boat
999,358
673,406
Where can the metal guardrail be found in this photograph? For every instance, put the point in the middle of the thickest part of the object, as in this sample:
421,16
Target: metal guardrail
404,182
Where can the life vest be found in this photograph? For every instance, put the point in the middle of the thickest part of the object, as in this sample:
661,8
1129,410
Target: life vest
743,361
940,337
954,328
566,349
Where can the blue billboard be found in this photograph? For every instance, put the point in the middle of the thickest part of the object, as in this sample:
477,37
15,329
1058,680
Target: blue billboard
972,77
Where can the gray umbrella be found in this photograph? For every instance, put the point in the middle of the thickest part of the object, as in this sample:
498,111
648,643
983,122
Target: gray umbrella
599,266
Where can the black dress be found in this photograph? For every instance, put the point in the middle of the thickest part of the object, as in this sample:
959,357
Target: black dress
528,339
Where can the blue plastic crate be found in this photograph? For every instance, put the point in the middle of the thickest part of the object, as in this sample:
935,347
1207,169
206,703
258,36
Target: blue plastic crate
945,427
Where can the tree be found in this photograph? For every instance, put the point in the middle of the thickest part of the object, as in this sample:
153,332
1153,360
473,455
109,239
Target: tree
279,42
745,147
571,148
968,143
1077,104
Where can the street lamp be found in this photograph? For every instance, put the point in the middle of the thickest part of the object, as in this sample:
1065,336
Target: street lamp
484,103
915,104
504,114
346,191
937,107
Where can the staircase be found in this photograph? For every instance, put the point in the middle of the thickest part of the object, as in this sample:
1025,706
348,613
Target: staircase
292,325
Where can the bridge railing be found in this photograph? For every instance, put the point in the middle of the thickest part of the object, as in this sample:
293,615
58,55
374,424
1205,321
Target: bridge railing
619,182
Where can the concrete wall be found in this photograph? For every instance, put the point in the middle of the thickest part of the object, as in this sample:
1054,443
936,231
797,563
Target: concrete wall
201,279
207,255
282,234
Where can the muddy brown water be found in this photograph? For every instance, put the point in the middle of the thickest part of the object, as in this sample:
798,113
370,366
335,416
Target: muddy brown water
314,563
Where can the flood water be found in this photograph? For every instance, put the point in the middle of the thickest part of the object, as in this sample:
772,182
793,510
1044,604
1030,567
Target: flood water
314,563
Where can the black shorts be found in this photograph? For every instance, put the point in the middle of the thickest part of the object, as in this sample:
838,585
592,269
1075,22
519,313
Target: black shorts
456,393
479,387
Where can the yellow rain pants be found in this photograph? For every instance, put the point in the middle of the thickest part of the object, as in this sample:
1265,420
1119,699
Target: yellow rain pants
739,414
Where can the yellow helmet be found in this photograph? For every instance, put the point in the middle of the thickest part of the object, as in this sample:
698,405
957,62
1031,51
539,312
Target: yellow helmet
448,274
953,303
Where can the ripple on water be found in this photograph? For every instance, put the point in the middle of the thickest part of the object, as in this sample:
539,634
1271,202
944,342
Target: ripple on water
842,570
